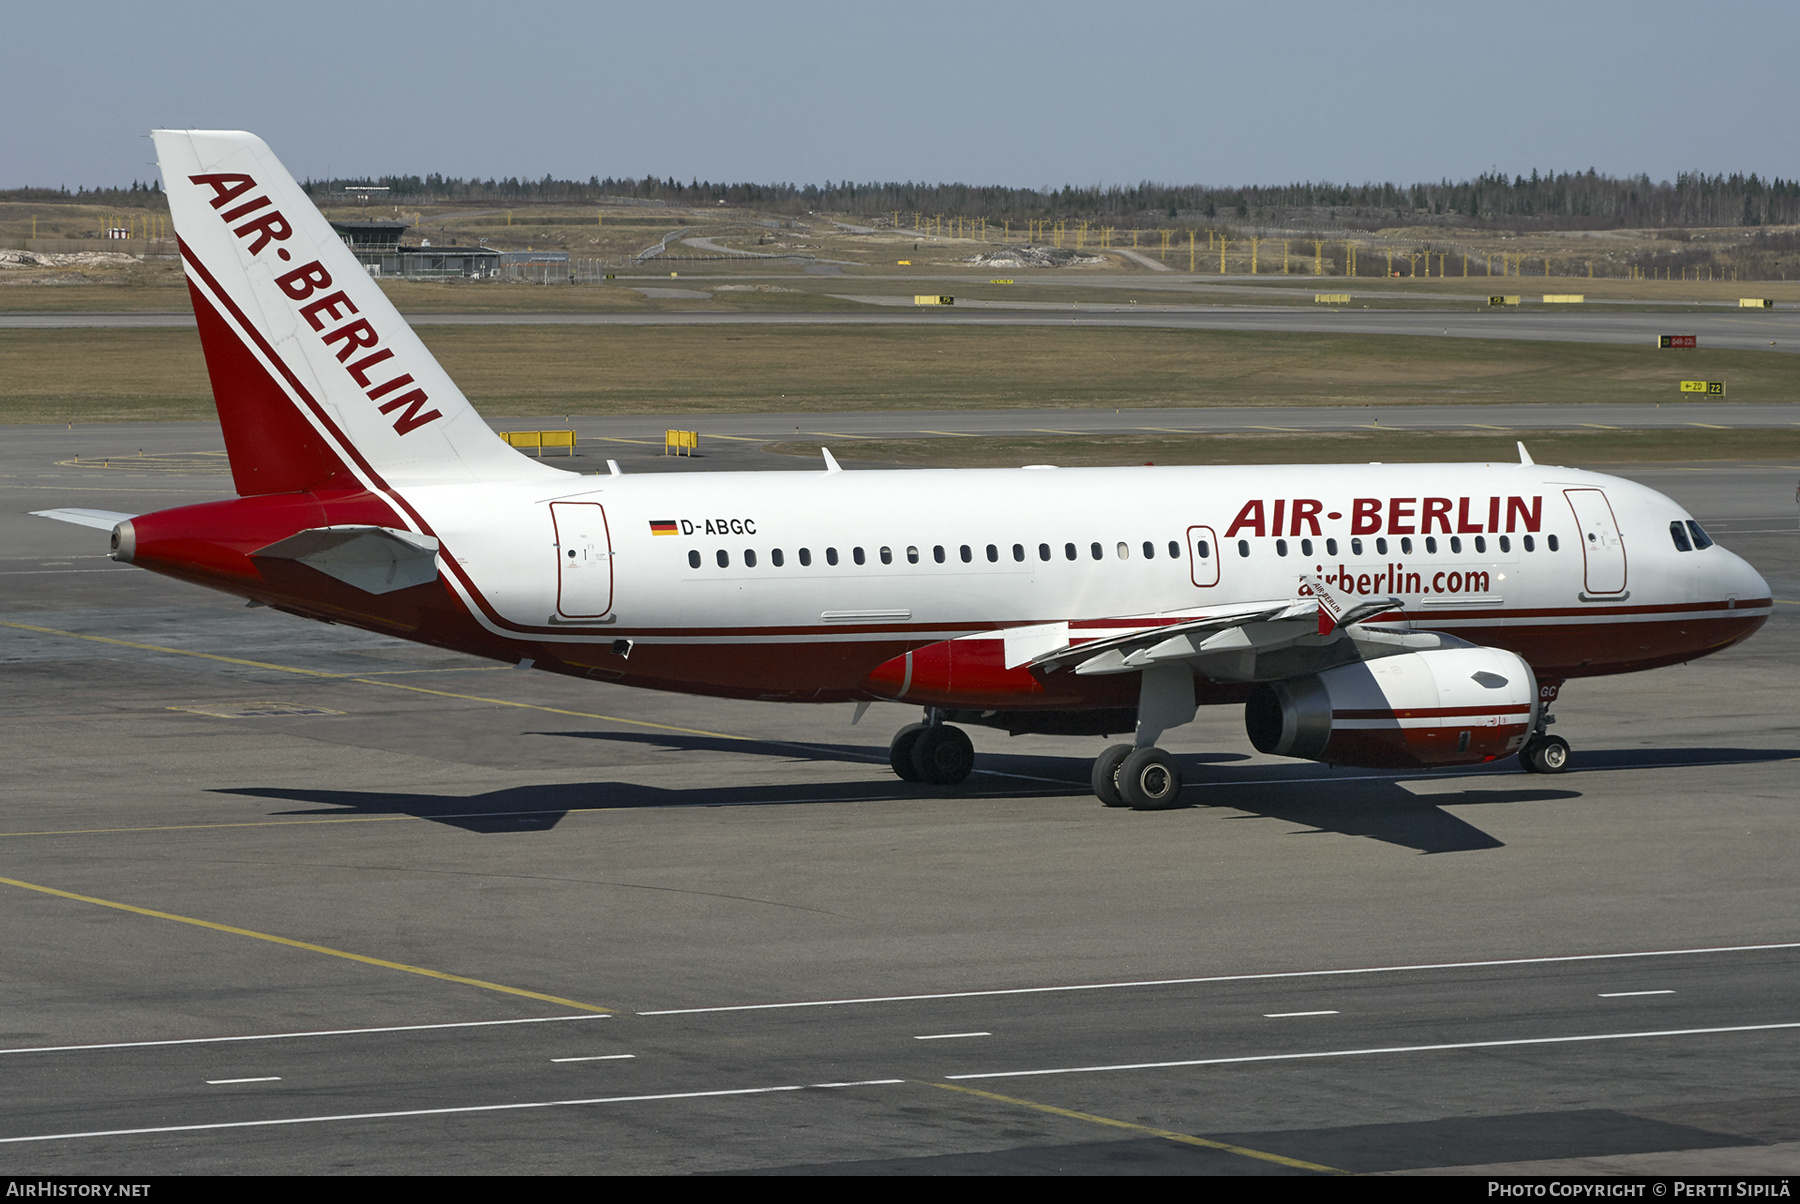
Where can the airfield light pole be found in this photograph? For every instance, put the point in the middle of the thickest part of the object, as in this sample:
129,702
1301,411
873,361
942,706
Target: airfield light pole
1318,257
1221,254
1190,251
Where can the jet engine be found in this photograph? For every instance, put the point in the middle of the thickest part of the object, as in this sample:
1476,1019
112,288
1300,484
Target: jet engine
1443,706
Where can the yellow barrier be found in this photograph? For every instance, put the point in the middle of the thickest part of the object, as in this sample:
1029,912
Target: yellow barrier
1512,299
923,299
684,443
1564,298
905,263
999,282
540,440
1755,303
1712,388
1332,298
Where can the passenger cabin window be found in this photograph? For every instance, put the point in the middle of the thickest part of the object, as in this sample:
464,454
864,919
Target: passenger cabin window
1406,545
831,556
775,557
1331,547
724,559
806,557
1174,550
967,555
1203,549
749,558
856,554
1149,550
1431,545
1481,543
1124,550
1678,533
912,555
1281,547
1043,551
1069,551
1355,547
1381,547
1097,551
937,553
1306,547
887,555
1530,544
1506,543
1550,542
993,554
1243,547
1019,552
1456,543
694,559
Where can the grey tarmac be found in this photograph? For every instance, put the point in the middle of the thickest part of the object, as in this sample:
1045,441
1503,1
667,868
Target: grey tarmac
1302,971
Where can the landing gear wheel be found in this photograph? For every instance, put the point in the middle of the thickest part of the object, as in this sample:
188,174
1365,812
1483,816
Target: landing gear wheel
942,756
1149,780
1105,778
1545,754
901,750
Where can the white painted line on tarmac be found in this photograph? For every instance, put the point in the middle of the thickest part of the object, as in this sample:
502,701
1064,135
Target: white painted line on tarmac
1629,994
949,1036
330,1032
862,1083
1179,982
1389,1049
597,1058
399,1115
1285,1015
272,1078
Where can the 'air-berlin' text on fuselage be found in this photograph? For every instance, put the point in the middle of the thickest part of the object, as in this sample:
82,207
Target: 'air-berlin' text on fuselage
1392,516
348,336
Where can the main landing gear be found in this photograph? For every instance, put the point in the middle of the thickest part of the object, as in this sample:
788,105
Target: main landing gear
1144,779
932,752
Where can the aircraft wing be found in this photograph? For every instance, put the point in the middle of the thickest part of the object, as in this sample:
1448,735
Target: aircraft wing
1259,641
105,520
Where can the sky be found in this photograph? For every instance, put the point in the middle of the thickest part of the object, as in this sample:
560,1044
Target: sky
1021,95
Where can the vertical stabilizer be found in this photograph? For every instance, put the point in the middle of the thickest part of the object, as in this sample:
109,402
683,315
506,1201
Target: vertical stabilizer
315,374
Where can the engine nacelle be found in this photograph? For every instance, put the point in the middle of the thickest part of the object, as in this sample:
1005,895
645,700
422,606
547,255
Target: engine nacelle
1444,706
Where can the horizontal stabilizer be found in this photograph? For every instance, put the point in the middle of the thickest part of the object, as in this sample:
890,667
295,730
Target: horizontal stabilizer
376,560
104,520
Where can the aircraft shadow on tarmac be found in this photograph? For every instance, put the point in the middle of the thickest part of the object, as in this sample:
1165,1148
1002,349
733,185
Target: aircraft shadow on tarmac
1376,807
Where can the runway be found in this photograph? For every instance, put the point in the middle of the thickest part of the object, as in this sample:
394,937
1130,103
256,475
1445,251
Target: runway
286,897
1762,330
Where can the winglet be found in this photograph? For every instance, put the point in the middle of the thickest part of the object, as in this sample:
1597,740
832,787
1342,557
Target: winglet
1525,456
1331,611
831,465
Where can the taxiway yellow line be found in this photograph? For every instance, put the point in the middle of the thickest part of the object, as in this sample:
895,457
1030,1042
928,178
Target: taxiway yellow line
308,946
211,656
533,706
1167,1134
370,681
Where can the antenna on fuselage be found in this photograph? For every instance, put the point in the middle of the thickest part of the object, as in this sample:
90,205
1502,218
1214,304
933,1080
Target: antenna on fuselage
831,465
1525,456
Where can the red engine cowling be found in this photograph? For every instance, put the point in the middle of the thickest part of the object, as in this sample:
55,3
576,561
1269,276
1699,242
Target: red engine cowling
1445,706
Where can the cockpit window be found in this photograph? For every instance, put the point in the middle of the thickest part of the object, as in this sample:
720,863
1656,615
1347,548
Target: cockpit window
1701,538
1678,533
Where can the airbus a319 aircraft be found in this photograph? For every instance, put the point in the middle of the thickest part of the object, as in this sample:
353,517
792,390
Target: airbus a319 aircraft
1389,616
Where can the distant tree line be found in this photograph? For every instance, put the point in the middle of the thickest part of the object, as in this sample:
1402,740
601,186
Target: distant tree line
1552,201
1541,201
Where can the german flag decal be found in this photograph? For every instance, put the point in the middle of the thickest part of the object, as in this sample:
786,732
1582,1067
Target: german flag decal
664,526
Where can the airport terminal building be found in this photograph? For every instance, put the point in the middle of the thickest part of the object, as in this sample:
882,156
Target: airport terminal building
378,248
